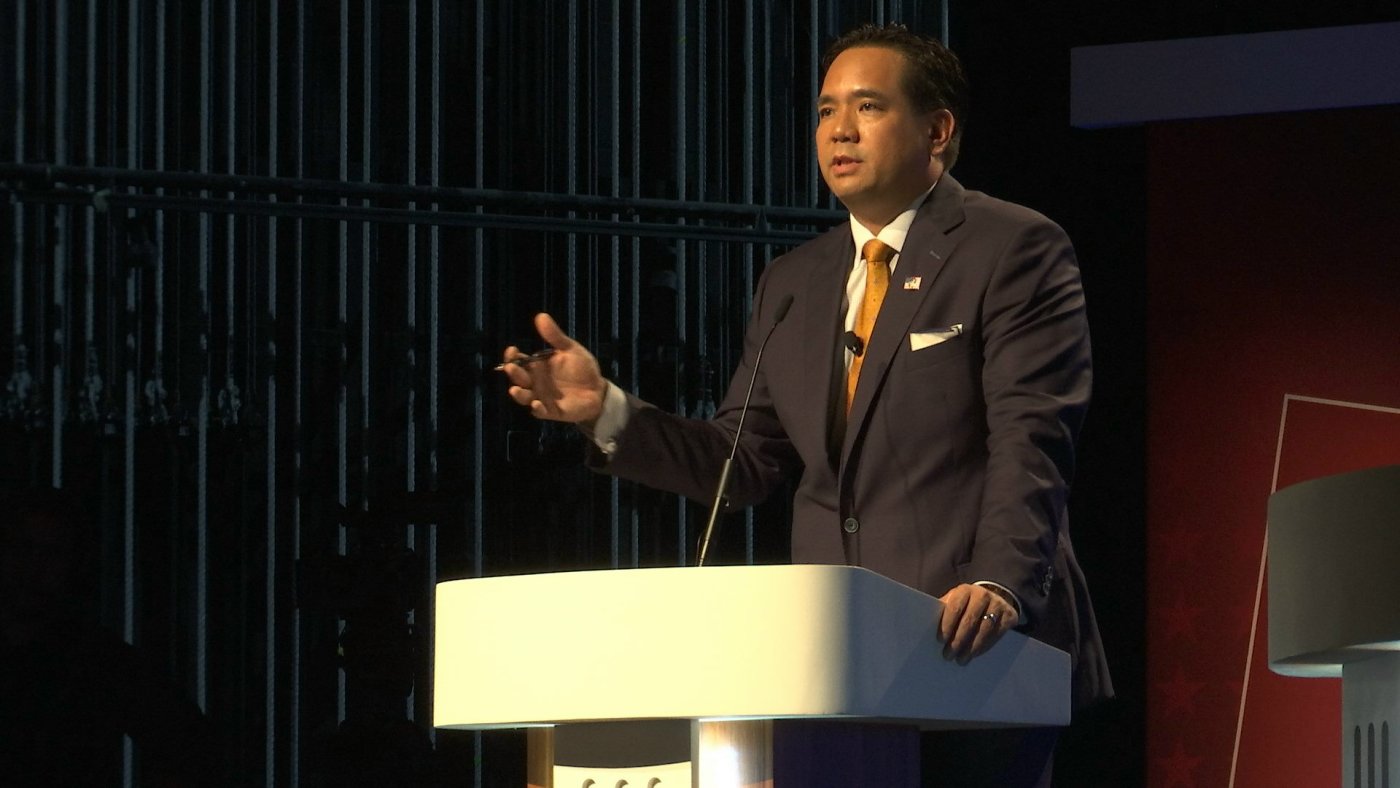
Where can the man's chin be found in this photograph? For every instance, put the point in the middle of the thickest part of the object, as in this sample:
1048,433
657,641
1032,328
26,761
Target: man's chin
845,190
860,204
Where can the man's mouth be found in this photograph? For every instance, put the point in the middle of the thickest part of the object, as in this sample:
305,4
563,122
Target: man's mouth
842,164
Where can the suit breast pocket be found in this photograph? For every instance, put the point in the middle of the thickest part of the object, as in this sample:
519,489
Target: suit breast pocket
932,355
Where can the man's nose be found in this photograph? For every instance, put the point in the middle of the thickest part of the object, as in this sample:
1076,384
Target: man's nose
842,129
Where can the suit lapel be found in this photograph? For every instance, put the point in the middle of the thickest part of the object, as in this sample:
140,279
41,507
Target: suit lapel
926,247
826,288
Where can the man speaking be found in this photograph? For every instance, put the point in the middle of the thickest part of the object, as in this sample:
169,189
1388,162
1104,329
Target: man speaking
925,388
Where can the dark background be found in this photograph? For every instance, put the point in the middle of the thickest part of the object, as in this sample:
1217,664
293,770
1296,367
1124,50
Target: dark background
312,436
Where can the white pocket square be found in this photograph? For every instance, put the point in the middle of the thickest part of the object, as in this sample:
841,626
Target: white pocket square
918,340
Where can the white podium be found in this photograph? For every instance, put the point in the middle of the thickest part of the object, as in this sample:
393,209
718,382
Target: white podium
1334,603
745,674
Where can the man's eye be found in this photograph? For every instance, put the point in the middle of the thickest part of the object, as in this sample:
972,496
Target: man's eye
824,112
867,106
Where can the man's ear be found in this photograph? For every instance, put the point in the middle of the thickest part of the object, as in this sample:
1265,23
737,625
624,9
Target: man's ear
940,132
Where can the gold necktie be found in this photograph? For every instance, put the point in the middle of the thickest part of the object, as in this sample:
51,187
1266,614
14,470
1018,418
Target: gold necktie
877,256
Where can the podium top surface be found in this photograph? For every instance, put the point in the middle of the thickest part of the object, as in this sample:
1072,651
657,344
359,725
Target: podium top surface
723,643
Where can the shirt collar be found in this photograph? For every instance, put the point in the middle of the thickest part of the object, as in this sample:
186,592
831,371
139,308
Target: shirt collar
893,233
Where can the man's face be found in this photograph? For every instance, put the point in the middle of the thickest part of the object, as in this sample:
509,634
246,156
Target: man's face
875,149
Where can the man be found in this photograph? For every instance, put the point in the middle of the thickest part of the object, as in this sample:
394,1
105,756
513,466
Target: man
940,453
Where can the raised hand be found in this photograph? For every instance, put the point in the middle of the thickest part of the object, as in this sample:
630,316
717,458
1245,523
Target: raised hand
567,386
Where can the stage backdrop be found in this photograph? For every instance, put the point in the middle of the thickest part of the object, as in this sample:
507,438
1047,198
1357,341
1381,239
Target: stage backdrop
1274,357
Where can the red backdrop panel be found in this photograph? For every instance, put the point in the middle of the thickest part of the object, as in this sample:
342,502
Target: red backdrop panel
1273,271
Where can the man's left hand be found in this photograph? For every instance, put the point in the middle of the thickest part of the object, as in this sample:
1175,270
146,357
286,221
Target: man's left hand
974,619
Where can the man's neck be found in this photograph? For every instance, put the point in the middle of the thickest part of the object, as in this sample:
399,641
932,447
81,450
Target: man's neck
876,226
876,220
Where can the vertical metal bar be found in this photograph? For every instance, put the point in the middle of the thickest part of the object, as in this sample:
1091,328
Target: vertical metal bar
90,368
411,313
299,360
21,82
478,284
129,500
478,261
767,98
21,353
61,250
593,282
366,110
434,150
133,147
679,91
206,103
571,168
230,388
228,393
342,314
726,330
702,274
747,255
133,85
766,94
160,87
60,139
270,537
62,230
158,346
614,26
17,258
635,298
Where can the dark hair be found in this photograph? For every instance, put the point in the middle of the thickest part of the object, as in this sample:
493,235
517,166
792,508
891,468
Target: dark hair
933,78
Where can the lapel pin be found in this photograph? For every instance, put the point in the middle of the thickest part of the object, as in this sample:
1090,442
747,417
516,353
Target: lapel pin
912,282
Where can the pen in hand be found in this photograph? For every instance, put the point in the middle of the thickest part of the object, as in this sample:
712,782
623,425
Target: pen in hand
527,360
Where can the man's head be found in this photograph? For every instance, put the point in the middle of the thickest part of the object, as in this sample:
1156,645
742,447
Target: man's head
889,118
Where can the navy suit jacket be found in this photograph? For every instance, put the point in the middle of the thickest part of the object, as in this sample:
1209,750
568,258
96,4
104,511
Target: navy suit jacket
955,461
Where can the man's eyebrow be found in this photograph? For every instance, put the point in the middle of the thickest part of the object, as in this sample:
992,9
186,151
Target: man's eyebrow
827,98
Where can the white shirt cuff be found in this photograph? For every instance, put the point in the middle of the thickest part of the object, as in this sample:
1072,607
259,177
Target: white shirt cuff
611,422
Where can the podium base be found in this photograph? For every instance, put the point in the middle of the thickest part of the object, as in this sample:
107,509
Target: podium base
768,753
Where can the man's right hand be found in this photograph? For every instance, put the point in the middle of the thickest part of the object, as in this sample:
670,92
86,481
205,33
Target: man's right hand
567,386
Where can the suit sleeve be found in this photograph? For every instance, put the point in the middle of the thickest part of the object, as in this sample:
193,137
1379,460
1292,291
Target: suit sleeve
1036,380
684,456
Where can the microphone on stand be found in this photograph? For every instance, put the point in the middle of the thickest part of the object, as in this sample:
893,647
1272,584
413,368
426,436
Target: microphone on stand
778,315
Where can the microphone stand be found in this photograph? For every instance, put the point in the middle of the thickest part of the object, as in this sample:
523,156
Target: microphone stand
723,486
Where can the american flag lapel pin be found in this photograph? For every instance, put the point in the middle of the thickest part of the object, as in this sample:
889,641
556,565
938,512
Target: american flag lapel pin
912,282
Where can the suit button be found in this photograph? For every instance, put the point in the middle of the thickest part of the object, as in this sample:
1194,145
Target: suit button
851,525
